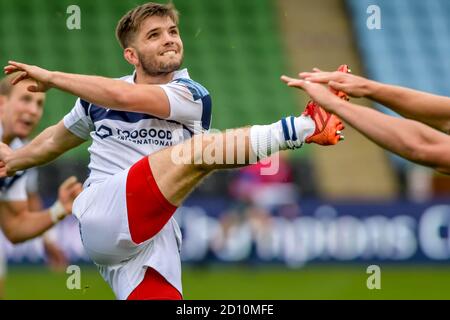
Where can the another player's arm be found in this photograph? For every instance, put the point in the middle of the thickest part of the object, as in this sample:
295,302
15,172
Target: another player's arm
46,147
34,201
421,106
19,224
407,138
116,94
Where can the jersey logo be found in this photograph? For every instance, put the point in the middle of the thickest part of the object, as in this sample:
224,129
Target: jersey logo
158,137
103,132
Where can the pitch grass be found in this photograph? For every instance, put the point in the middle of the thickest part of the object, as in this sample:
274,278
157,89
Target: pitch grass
268,282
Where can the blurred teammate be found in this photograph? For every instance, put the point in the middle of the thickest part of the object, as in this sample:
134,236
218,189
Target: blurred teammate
422,138
20,220
55,256
141,170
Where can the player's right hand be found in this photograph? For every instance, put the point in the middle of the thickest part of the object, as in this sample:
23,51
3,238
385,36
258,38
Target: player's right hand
5,152
68,191
40,75
352,85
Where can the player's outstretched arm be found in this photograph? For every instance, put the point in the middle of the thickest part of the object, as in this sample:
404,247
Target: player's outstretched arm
115,94
19,224
47,146
407,138
424,107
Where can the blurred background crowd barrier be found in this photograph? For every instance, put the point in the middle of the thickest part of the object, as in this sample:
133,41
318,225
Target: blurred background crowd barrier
334,232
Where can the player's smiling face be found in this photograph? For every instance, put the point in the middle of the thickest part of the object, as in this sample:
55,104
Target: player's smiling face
159,46
22,110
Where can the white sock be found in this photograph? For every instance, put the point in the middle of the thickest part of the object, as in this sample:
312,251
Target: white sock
288,133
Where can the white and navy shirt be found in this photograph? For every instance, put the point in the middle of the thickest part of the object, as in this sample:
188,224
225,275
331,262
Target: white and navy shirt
13,188
121,138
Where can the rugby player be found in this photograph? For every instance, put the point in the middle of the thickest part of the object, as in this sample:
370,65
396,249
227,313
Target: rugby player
150,139
20,219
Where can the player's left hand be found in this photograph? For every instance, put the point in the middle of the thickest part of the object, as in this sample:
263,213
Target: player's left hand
319,93
352,85
40,75
55,256
68,191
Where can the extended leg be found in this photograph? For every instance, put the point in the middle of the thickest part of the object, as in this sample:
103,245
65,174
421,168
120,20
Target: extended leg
177,170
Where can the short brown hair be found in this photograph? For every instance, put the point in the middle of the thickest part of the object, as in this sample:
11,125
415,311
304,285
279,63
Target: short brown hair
5,84
129,24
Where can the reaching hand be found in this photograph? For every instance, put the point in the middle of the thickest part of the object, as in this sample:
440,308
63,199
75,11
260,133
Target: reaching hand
68,191
40,75
354,86
318,93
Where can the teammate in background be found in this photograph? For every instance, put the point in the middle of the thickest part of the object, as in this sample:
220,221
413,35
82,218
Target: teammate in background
55,256
422,138
143,164
20,112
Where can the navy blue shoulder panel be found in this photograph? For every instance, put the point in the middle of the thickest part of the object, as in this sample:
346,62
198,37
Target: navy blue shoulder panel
7,182
199,92
85,106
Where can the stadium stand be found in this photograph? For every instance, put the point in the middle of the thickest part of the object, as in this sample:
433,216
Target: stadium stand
413,46
411,49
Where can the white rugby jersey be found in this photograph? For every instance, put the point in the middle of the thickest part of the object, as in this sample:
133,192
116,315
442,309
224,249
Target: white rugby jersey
32,185
13,188
120,138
